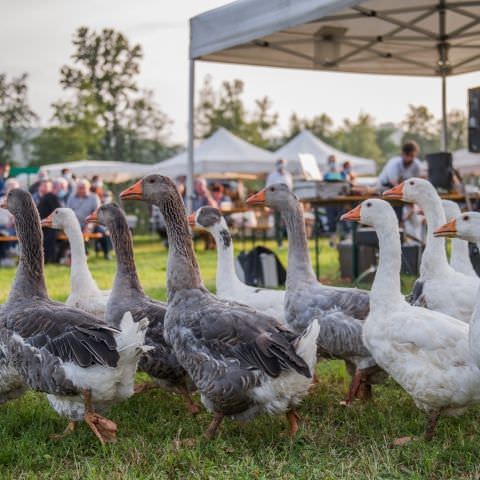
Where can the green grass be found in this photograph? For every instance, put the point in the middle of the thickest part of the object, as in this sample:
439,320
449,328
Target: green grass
158,440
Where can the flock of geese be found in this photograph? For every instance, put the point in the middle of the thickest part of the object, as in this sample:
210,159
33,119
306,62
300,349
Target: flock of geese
245,350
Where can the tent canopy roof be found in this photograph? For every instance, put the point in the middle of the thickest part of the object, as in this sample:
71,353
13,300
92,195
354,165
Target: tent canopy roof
221,152
109,171
306,142
366,36
466,162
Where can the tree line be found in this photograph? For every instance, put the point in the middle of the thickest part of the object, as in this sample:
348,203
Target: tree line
105,114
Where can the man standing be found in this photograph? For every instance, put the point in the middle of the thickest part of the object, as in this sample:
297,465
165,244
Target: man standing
399,169
280,175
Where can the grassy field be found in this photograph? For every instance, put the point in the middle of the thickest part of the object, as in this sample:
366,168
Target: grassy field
158,440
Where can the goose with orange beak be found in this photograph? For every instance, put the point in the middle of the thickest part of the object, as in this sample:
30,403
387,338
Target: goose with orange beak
84,292
424,351
242,361
339,311
439,287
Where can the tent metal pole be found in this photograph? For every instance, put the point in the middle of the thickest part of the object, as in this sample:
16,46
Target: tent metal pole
444,114
191,126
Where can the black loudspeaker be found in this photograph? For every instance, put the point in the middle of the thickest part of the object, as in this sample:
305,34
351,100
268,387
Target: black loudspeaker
440,171
474,120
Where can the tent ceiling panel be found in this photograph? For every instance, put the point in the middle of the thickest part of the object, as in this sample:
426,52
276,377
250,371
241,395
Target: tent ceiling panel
373,36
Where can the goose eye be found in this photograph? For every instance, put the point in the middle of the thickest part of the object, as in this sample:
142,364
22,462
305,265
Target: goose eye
412,182
272,189
369,204
466,218
151,180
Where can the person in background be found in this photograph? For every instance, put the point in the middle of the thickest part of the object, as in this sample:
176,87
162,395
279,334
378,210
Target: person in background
44,187
181,186
332,174
60,190
218,194
279,175
67,175
83,203
399,169
48,202
414,224
7,227
4,173
96,186
201,195
41,177
347,173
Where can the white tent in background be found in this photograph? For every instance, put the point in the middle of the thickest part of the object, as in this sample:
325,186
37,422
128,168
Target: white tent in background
221,153
306,142
467,163
108,171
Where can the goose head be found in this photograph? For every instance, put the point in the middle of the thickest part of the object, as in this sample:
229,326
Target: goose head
373,212
465,226
109,215
277,196
60,219
18,201
154,188
413,190
208,218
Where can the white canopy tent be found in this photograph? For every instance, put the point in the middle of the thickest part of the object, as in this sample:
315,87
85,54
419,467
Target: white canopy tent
467,163
222,153
306,142
109,171
431,38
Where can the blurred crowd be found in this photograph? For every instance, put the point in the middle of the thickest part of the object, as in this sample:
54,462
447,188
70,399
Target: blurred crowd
79,194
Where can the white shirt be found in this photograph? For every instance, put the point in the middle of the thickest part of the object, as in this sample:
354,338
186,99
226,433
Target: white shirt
395,171
277,177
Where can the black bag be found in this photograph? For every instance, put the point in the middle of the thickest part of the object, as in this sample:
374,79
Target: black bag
252,267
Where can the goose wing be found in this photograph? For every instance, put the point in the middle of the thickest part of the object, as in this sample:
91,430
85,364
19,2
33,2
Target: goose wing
66,333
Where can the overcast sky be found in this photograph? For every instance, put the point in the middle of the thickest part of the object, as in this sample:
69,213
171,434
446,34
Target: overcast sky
35,37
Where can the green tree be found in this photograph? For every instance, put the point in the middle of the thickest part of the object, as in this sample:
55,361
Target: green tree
15,114
420,125
457,129
225,108
384,135
359,138
104,88
320,125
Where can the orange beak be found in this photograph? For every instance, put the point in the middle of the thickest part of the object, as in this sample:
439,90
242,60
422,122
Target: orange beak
192,221
257,198
447,230
395,192
135,192
47,222
353,215
92,218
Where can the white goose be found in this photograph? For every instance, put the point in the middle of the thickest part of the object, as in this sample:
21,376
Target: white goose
228,284
466,226
439,286
85,293
426,352
459,255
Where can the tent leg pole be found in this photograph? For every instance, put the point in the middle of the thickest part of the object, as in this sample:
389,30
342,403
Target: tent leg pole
444,143
191,126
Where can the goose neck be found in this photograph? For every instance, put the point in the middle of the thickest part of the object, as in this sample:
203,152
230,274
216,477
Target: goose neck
226,275
80,276
299,263
29,279
386,290
182,271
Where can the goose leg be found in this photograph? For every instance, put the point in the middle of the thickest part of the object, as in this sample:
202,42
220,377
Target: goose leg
192,407
144,387
103,428
69,430
354,388
431,424
213,427
292,418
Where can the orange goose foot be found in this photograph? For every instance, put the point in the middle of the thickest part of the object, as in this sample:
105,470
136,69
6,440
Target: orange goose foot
192,407
144,387
103,428
293,418
353,389
211,431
